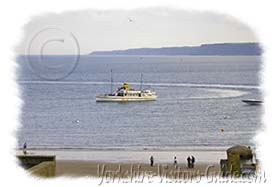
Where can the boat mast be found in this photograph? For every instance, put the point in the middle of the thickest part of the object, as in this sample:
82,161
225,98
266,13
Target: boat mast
141,82
111,81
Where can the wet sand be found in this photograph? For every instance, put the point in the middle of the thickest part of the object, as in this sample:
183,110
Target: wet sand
131,156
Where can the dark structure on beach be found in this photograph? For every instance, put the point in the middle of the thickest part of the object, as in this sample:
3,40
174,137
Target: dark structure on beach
38,165
239,162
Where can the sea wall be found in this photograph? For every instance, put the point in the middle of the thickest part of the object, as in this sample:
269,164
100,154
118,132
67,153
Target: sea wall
38,165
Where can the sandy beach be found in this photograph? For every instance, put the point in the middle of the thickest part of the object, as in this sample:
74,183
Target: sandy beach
125,163
128,170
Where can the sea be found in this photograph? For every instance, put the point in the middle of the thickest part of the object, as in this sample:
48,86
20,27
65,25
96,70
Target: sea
199,103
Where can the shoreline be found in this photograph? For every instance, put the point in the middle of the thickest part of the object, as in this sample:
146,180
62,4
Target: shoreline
131,149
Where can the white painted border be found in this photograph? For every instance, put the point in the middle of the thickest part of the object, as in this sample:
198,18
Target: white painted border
14,14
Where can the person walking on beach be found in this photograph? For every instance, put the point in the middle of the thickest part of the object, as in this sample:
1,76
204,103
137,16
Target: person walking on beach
175,162
188,162
25,148
192,161
151,161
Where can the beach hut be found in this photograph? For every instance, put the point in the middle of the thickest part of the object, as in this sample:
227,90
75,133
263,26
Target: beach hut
239,161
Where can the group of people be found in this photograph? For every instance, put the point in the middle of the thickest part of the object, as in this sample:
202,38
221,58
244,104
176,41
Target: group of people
190,161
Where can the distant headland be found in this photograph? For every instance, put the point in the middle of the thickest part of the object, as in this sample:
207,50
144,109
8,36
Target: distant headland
217,49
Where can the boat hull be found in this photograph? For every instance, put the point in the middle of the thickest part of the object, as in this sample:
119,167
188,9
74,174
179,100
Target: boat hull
252,101
124,99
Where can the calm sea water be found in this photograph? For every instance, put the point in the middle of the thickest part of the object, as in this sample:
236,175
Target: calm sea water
197,97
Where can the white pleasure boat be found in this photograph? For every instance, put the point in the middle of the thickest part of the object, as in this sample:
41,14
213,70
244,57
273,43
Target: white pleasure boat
125,94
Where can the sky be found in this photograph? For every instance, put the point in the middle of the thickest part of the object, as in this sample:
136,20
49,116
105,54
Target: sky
96,30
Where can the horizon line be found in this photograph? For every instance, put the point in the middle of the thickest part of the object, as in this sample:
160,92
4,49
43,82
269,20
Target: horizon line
161,47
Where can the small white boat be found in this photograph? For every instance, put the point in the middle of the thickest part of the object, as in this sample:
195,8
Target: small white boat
126,94
252,101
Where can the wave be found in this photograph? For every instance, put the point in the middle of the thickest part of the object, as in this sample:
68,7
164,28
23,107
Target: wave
133,148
